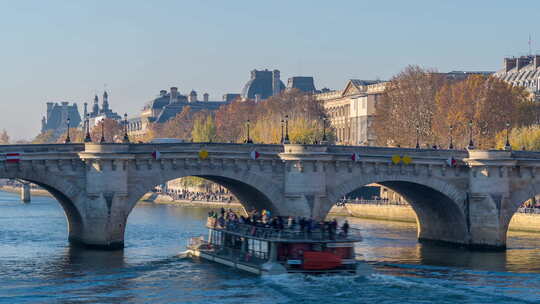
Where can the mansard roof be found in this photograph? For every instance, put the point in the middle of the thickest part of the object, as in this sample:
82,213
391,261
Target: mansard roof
173,109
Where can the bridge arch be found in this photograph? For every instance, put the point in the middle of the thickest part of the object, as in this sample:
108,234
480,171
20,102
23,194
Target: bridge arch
518,196
252,190
65,192
438,205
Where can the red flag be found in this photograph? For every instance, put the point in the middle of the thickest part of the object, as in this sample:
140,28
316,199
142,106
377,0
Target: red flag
13,157
254,154
452,162
156,155
355,157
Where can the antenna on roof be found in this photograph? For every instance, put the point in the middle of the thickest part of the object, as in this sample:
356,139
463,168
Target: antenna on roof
530,45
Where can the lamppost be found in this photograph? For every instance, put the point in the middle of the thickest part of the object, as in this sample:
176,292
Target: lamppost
471,143
286,140
68,140
324,139
126,137
248,139
87,138
102,140
507,145
282,127
417,136
451,145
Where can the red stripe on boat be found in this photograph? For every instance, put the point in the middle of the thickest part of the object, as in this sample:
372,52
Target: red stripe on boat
316,260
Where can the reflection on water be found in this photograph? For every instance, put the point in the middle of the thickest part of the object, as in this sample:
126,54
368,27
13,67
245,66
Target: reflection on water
37,265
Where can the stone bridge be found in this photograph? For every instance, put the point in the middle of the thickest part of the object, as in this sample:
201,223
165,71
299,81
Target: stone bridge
469,203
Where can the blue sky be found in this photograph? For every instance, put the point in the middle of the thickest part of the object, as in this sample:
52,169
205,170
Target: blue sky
68,50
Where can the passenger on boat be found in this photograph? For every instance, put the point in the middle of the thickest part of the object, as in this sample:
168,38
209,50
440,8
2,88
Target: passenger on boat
345,228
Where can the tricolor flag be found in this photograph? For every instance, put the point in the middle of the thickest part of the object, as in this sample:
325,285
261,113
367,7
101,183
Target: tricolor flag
451,161
156,155
355,157
13,157
254,154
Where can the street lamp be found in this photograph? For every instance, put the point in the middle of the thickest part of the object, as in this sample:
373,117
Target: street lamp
417,136
286,140
102,140
68,140
451,145
507,144
248,139
324,139
471,143
87,138
282,127
126,137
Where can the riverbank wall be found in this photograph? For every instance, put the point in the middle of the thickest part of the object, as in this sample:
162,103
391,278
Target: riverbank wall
154,198
17,190
403,213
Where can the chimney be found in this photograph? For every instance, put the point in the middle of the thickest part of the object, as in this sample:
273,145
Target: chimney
85,109
174,94
192,96
206,97
162,93
276,89
509,63
521,62
49,109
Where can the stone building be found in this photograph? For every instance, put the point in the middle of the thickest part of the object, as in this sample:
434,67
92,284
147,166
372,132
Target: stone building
522,71
56,118
98,114
166,106
302,83
262,85
351,110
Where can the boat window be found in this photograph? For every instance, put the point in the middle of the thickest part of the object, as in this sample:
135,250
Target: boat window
258,248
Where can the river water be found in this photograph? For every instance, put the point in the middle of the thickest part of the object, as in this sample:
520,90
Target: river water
38,266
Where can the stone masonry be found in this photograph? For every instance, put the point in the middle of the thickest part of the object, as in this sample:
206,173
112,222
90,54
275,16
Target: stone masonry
470,204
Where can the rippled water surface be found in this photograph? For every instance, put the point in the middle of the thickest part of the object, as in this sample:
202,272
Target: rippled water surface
38,266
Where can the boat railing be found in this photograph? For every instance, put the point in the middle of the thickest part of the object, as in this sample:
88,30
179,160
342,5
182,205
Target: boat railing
238,255
262,232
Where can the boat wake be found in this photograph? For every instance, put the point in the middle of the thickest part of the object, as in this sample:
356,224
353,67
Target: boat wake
182,255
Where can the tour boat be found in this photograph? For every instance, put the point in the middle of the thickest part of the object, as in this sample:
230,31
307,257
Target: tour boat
261,250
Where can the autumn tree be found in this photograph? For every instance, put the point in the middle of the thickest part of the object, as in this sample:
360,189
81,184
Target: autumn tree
179,126
487,103
204,128
520,138
230,120
4,137
303,112
44,138
76,135
112,131
407,107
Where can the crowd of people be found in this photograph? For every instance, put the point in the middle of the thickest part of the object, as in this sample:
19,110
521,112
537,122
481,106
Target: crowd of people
230,220
206,196
372,201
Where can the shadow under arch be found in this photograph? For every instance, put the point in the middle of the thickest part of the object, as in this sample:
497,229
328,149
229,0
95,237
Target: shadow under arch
73,216
250,195
439,209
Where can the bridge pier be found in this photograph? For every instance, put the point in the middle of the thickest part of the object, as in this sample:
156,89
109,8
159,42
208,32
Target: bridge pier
489,192
26,195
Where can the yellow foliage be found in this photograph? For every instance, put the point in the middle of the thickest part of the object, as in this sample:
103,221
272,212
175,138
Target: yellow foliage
527,138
